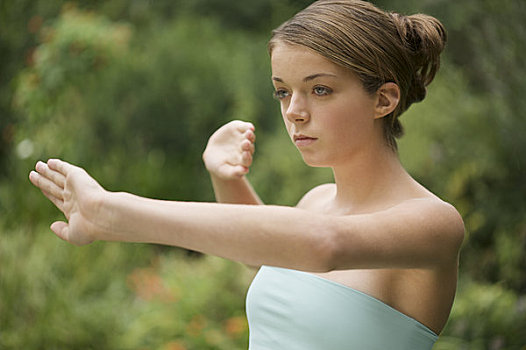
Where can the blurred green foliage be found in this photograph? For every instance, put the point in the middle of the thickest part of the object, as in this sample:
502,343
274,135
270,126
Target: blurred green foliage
107,296
132,90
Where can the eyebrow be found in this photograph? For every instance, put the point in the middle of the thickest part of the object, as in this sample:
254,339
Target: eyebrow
308,78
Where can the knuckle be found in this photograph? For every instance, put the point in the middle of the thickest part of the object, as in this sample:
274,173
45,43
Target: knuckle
236,123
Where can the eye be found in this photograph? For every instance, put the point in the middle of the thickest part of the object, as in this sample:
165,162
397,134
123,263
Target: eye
280,94
321,90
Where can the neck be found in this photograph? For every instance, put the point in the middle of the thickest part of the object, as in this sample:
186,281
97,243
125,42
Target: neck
373,179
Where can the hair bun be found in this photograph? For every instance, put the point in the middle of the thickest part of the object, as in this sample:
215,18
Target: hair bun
425,38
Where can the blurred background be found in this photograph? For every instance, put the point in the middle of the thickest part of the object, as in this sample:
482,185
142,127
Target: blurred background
132,89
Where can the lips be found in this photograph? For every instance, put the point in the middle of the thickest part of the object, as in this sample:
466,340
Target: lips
303,140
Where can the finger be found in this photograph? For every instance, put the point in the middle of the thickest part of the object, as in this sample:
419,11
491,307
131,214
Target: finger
245,145
246,159
45,184
61,166
56,177
244,126
250,135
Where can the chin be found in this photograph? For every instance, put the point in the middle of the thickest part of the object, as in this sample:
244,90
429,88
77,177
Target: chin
316,162
331,160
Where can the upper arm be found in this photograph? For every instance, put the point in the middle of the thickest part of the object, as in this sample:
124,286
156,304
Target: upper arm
419,233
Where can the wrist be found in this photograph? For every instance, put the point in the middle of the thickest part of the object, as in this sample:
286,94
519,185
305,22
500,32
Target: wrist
106,211
127,217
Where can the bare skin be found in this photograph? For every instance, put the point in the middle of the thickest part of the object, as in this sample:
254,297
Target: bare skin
369,178
376,229
227,157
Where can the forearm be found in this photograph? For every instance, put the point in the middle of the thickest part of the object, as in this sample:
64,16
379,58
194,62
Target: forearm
254,235
236,191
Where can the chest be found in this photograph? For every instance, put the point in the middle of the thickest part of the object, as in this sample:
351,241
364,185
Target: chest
289,309
387,285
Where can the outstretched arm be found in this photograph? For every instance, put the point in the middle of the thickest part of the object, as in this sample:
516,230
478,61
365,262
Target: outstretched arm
254,235
227,157
420,233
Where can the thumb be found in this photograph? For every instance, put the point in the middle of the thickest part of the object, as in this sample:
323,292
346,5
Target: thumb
60,228
231,172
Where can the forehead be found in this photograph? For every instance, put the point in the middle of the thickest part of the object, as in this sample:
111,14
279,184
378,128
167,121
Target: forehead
289,60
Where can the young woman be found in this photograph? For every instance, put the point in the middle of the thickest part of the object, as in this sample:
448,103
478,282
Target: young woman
369,262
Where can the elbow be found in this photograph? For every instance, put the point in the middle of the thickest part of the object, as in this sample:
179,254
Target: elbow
337,253
328,250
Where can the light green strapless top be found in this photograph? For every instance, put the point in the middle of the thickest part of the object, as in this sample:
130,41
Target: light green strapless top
294,310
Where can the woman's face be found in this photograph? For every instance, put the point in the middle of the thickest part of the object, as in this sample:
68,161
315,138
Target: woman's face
328,114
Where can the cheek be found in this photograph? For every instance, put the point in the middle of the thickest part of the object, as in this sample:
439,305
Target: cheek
349,122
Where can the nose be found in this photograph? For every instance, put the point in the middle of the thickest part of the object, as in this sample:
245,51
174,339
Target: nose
297,111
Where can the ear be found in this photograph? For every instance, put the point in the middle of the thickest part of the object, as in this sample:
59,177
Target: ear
387,98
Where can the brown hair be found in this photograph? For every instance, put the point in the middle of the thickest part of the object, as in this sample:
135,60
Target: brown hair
378,46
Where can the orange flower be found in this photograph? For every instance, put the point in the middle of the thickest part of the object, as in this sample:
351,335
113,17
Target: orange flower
173,345
147,285
196,325
34,24
235,326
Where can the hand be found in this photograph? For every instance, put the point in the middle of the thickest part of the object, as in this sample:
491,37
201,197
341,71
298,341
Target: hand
75,193
228,154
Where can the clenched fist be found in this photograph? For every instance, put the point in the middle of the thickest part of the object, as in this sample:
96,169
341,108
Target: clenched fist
228,154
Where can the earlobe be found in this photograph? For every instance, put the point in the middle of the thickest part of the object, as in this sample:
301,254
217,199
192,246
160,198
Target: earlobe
388,97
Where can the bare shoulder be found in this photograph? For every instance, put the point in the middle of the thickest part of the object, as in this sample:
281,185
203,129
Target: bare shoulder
318,194
432,218
437,213
415,233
